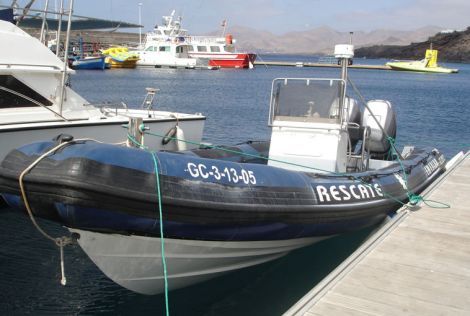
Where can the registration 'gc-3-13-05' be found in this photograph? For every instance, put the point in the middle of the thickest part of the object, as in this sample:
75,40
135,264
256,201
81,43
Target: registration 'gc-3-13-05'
213,172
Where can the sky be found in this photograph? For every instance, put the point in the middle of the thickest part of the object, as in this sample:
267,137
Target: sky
280,16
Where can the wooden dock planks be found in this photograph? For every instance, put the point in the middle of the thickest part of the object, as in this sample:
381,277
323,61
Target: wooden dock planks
421,267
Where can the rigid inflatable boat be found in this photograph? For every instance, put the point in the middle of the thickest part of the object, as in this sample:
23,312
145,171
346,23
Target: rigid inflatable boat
329,168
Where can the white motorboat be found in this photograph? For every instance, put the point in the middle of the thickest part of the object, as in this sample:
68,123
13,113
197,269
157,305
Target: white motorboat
167,54
35,102
170,44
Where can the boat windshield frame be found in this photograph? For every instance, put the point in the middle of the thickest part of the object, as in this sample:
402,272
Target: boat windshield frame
306,100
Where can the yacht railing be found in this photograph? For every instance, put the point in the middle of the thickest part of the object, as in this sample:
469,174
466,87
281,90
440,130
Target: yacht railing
207,39
47,67
64,74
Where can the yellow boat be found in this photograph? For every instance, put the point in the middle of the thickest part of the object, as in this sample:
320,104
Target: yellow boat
120,57
428,64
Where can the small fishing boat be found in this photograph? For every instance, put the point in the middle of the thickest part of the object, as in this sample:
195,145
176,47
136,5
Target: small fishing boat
89,62
86,61
428,64
120,57
329,168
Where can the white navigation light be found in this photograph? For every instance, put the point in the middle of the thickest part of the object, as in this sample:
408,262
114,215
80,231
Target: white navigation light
344,51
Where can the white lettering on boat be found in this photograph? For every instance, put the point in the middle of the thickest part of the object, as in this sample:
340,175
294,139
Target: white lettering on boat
346,193
401,180
213,172
431,166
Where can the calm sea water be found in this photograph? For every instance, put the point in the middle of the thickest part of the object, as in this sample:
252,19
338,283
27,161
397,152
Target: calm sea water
433,110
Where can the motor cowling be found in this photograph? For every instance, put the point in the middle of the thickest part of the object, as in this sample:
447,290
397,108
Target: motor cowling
385,115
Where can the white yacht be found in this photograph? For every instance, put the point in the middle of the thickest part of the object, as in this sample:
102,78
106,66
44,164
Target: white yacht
171,45
35,103
167,47
167,54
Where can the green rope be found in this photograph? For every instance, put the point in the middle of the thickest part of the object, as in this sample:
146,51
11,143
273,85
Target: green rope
160,212
243,154
414,199
355,178
162,238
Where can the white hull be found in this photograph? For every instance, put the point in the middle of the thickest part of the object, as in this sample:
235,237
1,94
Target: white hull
107,130
164,60
36,105
135,262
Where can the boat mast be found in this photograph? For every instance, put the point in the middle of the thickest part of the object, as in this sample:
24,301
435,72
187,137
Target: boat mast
224,26
140,25
344,53
25,11
59,27
64,72
42,36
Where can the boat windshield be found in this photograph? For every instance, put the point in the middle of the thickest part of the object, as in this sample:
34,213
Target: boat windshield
305,100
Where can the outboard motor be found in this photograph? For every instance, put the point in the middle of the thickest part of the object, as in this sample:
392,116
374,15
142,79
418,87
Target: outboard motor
354,115
352,111
383,111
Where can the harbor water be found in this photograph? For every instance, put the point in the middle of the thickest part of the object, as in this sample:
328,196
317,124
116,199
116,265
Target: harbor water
432,110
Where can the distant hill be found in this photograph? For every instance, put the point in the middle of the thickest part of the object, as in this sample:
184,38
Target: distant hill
318,41
453,46
321,40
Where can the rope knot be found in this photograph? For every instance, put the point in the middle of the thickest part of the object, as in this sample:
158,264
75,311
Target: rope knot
63,241
414,198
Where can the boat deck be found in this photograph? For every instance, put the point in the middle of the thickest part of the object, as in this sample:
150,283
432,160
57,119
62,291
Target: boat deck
417,264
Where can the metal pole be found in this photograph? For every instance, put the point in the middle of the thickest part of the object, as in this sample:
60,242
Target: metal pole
133,129
43,26
64,72
140,25
344,77
59,27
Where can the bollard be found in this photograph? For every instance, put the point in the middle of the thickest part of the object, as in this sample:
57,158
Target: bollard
134,132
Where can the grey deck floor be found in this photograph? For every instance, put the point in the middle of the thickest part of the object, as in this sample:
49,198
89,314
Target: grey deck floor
422,267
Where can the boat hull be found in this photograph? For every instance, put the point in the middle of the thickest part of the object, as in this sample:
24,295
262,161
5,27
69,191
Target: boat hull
114,63
90,63
137,263
100,187
419,67
157,59
220,211
108,130
228,60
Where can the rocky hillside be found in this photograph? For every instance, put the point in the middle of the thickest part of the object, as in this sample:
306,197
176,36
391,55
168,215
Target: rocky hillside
321,40
317,41
453,46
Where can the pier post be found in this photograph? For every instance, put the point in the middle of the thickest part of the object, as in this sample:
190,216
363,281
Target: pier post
135,136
